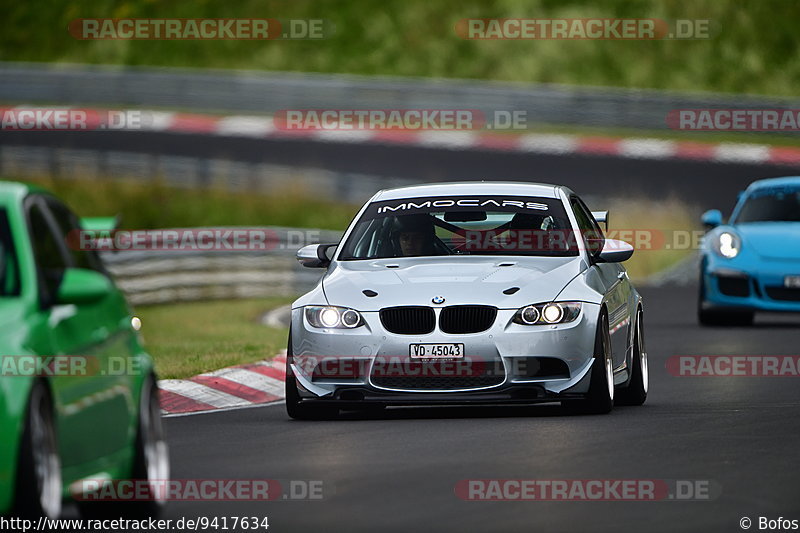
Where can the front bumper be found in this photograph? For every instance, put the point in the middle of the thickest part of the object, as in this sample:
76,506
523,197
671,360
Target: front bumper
525,363
751,285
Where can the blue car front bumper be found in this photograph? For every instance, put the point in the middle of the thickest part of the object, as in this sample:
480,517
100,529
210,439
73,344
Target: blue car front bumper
752,284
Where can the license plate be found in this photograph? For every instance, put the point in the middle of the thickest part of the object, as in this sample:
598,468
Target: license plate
435,351
791,282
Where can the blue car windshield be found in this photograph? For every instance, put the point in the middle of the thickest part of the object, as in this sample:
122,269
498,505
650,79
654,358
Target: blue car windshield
461,225
779,204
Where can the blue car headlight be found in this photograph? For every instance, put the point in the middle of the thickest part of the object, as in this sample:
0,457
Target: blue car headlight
727,244
333,317
547,313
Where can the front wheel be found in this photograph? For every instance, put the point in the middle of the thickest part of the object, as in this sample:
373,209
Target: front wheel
719,317
636,391
151,464
712,317
600,398
295,408
39,474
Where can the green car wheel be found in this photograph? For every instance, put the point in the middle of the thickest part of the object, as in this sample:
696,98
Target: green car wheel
39,476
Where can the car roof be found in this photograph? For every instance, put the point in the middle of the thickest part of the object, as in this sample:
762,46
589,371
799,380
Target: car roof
774,182
467,188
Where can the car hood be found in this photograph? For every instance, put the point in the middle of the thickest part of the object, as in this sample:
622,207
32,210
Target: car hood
772,240
460,280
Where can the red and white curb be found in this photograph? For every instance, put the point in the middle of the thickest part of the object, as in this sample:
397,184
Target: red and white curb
234,387
635,148
262,127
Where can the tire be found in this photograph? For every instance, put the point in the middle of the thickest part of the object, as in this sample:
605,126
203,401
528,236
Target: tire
297,409
39,484
150,464
707,317
152,456
600,398
636,391
718,317
727,318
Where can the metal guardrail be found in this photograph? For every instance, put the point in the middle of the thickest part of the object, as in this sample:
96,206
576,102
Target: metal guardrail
151,277
268,92
190,172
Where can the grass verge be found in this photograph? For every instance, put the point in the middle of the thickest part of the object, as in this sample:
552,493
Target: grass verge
662,233
149,205
186,339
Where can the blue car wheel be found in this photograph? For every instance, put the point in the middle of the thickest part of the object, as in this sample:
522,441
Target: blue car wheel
708,316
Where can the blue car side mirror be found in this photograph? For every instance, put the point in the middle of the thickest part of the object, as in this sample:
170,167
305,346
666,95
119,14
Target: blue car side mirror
712,218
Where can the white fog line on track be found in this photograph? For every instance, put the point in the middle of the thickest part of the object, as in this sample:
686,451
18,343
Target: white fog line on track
223,409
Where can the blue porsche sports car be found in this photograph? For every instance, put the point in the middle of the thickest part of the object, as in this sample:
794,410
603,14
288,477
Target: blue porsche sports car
752,263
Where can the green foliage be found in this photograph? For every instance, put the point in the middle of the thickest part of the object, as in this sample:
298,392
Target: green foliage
753,50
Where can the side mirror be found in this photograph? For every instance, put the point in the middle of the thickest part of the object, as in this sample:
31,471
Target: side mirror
711,218
602,218
81,285
315,255
615,251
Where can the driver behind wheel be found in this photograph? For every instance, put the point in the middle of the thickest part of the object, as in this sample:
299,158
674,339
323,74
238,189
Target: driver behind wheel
415,235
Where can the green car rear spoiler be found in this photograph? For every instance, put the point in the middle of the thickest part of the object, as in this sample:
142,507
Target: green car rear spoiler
100,223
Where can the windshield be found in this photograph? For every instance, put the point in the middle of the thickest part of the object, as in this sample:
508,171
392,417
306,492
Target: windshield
9,272
461,225
779,204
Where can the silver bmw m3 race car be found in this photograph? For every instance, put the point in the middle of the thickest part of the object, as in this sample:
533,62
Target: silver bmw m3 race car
468,293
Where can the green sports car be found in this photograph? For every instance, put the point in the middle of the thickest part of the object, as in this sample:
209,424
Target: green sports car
78,393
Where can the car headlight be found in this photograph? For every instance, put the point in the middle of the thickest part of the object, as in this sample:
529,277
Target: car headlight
333,317
728,244
549,313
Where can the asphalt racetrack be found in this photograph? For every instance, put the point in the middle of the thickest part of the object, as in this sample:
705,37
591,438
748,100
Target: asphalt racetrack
705,184
397,471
